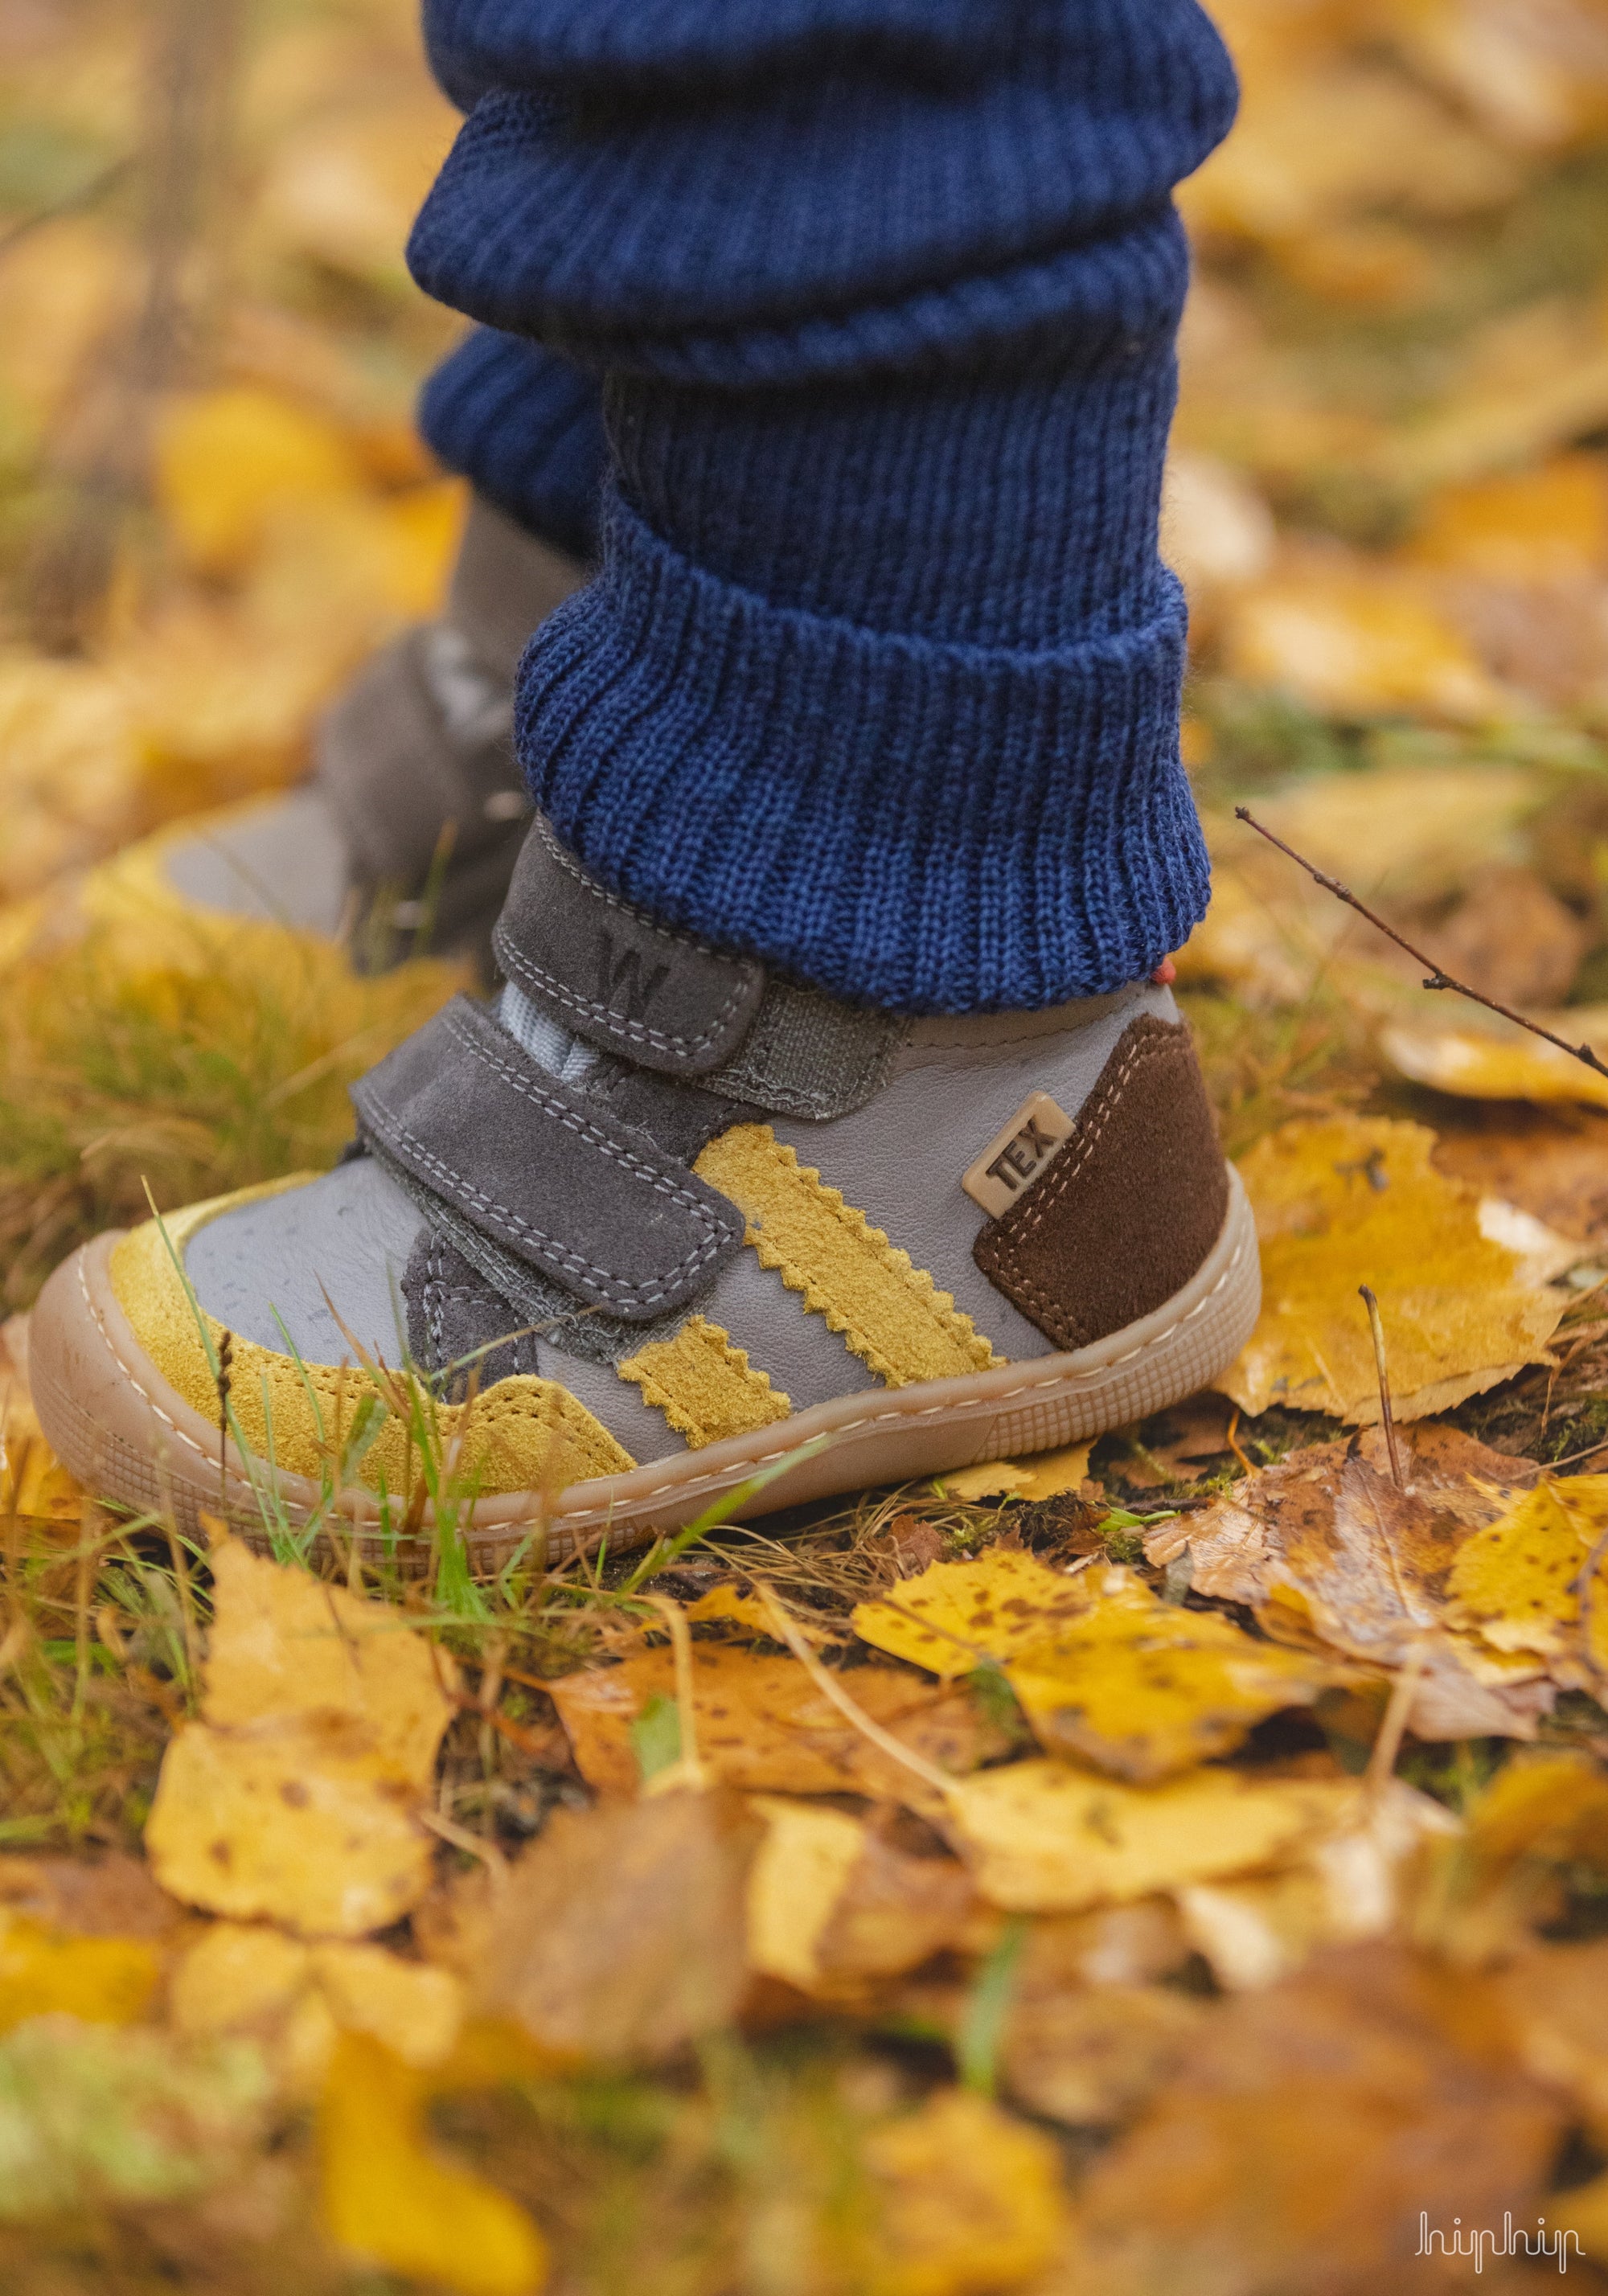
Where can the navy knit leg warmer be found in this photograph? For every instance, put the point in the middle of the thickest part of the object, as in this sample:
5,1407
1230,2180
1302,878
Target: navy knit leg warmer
879,676
526,430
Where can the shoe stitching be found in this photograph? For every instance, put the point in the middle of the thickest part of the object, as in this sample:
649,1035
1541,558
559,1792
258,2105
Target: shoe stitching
1061,1175
633,1031
930,1410
690,1486
607,1284
133,1377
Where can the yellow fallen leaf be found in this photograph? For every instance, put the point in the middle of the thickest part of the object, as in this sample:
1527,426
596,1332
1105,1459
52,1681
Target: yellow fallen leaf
954,1617
416,2009
1142,1688
228,460
238,1977
291,1824
1345,1201
106,1980
1358,644
1530,1836
390,2198
1041,1837
1540,525
247,1977
800,1872
1517,1583
294,1797
244,1981
1103,1668
1344,1886
968,2199
725,1605
1481,1060
1044,1476
286,1645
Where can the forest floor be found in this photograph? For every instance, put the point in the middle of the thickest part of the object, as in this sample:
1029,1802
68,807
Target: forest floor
759,1912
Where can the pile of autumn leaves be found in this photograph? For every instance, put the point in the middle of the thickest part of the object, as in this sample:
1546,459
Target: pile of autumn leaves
1013,1802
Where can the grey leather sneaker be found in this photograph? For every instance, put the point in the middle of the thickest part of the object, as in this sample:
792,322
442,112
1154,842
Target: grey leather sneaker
657,1221
406,835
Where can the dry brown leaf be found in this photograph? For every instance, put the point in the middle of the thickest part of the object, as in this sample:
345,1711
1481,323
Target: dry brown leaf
623,1933
1331,1555
1041,1837
967,2199
1309,2128
1552,1166
110,1896
1557,1997
762,1725
1341,1201
1092,2056
1512,938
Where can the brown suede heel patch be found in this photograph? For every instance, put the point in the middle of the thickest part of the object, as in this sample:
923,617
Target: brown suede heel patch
1131,1205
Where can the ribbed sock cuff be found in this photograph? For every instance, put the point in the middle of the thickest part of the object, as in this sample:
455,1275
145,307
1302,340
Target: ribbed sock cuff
526,429
924,827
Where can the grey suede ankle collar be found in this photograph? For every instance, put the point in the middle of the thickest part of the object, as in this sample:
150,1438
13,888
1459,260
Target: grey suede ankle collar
668,1003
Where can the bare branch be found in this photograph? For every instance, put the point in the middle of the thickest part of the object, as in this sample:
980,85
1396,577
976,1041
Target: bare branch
1435,978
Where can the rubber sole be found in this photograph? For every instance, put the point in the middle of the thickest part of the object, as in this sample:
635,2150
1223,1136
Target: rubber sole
115,1423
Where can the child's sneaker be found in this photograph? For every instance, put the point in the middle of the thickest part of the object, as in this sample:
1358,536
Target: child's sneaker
654,1222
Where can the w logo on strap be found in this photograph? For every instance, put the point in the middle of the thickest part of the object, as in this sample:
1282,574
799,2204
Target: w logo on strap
624,985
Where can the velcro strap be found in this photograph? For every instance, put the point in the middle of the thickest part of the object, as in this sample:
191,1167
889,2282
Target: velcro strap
553,1177
611,973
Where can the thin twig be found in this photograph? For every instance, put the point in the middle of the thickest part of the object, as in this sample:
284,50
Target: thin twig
1387,1746
470,1844
1387,1417
1435,978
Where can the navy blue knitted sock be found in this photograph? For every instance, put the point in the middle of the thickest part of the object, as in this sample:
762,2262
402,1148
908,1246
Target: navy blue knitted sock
525,428
879,675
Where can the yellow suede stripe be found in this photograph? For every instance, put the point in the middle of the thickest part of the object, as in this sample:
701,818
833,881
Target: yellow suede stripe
523,1434
890,1313
704,1386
